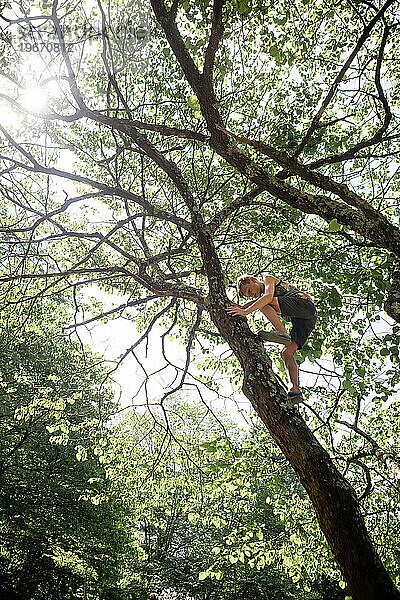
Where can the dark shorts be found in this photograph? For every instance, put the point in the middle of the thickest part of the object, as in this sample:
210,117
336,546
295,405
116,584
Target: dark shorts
302,314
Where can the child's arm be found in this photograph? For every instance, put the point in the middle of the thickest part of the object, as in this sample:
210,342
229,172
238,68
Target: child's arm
246,305
254,305
265,298
243,306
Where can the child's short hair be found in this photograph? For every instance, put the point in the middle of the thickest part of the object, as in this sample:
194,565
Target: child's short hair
242,280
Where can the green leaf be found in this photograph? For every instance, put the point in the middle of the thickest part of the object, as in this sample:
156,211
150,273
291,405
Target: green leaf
334,226
204,574
335,298
274,52
233,559
193,103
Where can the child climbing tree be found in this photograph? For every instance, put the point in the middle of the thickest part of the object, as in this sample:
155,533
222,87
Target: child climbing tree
221,141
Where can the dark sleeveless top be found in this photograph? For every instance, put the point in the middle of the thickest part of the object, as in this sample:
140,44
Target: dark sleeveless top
285,289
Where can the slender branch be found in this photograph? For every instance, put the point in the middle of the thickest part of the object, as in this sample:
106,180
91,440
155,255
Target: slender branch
362,39
112,311
66,273
188,355
73,85
229,209
110,190
48,216
349,154
145,334
391,462
21,442
52,116
167,131
112,80
379,134
160,288
368,486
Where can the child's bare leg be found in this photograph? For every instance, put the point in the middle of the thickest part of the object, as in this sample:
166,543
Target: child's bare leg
272,315
291,365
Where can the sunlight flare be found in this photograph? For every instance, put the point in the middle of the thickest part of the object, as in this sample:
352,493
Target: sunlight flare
34,99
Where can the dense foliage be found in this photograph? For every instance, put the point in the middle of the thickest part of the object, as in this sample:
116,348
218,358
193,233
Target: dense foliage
208,520
57,528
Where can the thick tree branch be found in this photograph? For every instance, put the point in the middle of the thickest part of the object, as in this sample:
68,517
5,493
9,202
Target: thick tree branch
167,21
317,179
217,31
168,166
378,230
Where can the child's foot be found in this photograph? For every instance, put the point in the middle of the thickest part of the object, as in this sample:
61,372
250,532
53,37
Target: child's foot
275,336
295,397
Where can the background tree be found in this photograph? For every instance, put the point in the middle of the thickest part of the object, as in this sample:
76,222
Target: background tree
217,139
58,535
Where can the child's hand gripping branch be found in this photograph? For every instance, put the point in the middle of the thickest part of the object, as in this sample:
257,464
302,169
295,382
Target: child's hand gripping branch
274,297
